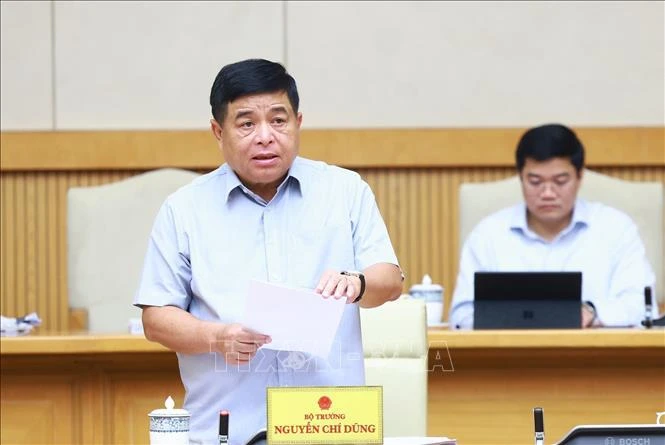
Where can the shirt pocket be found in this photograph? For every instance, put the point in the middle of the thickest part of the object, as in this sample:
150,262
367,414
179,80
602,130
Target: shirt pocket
312,251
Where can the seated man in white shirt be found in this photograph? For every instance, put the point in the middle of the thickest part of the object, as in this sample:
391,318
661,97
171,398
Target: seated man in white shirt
554,230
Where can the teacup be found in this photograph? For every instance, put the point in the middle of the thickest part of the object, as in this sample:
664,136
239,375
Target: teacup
169,426
432,295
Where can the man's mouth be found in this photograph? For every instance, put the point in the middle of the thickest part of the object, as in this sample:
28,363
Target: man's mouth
264,156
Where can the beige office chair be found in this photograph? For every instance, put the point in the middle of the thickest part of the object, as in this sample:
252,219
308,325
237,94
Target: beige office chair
642,201
108,227
395,346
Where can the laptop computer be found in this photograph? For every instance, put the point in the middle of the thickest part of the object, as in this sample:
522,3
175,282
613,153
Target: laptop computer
615,434
527,300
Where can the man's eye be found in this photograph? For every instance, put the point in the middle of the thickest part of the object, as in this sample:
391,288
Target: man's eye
279,120
247,124
561,182
535,183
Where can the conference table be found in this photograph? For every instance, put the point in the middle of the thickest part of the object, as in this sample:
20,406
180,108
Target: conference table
82,388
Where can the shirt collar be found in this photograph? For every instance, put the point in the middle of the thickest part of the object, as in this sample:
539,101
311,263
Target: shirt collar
580,218
295,176
232,182
581,213
298,173
518,218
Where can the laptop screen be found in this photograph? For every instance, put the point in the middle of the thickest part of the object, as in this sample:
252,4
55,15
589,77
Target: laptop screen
527,300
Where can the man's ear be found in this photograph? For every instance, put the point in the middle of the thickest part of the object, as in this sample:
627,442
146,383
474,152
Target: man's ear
216,130
299,118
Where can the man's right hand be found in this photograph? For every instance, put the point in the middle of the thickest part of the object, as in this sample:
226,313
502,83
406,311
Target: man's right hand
238,343
181,332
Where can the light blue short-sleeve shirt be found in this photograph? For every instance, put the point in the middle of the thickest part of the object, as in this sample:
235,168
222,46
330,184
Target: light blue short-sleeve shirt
214,235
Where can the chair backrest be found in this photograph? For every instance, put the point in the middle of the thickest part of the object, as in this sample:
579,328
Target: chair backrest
395,347
642,201
108,227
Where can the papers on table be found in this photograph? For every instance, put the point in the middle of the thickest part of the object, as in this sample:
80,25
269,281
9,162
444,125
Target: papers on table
10,326
295,319
418,441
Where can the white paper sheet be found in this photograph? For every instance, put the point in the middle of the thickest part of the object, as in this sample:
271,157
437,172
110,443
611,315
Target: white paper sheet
295,319
418,441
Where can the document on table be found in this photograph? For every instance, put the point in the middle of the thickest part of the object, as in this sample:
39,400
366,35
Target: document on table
418,441
295,319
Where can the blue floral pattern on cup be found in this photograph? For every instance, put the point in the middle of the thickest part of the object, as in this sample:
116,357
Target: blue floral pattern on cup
169,424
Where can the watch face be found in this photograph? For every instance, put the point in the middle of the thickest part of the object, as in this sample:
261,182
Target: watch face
351,272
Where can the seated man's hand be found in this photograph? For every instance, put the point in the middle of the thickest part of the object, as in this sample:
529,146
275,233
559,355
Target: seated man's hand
589,318
238,343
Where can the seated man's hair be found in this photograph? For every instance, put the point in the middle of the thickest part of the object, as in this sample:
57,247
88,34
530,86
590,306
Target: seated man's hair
550,141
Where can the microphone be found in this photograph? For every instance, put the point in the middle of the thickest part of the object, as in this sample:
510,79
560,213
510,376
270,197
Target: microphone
223,427
538,426
648,304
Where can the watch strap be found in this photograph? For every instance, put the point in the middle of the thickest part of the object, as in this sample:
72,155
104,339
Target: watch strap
361,277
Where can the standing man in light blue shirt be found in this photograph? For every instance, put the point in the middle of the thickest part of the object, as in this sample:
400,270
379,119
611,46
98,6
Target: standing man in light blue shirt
554,230
265,214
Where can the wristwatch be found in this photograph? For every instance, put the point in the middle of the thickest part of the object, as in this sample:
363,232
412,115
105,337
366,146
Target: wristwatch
361,277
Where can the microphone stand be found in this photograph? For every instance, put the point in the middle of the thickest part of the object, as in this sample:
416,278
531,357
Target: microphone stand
648,321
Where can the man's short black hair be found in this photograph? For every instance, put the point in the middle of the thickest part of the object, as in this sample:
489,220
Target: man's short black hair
550,141
252,76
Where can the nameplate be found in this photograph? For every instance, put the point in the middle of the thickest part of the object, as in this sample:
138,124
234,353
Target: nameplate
325,415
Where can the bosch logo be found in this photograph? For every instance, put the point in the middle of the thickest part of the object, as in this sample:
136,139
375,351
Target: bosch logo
634,441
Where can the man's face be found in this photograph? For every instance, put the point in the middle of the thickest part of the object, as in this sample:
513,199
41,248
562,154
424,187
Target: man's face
550,189
259,138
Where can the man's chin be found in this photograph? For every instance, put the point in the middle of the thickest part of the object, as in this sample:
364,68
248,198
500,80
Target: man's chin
551,218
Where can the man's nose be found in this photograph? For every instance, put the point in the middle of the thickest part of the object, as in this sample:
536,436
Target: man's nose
548,191
264,134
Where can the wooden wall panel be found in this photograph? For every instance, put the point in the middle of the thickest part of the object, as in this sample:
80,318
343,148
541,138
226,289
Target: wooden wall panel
47,405
33,244
130,407
360,148
570,396
420,209
418,204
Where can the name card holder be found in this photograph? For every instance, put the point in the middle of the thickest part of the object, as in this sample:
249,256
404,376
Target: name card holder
328,415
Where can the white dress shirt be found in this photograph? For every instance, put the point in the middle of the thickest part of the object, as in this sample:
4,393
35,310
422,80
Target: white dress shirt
213,236
601,242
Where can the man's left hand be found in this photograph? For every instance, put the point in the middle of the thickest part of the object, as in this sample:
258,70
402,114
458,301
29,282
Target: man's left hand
333,283
589,317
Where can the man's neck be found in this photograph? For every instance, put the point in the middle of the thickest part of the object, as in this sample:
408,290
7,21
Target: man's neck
266,191
547,231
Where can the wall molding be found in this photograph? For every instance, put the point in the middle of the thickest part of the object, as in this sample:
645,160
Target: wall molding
351,148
